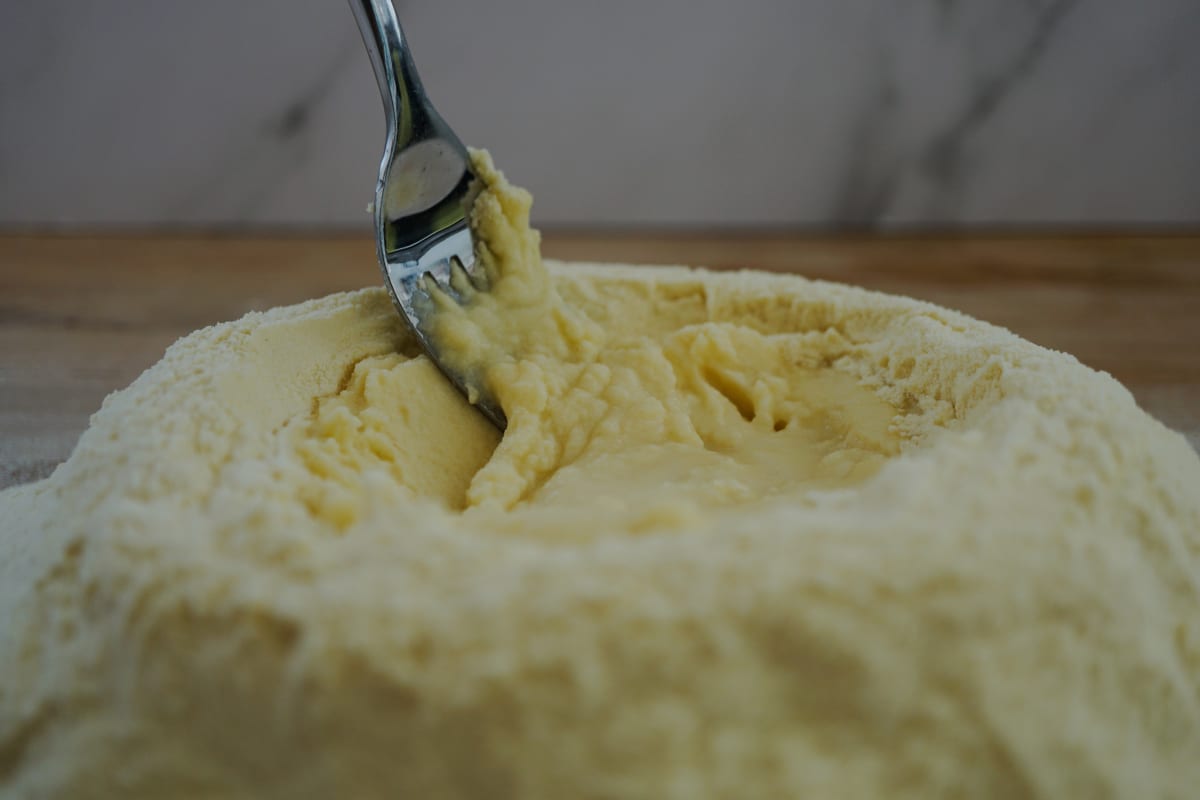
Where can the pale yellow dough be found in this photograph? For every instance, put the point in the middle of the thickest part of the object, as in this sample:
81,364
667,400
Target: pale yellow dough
746,536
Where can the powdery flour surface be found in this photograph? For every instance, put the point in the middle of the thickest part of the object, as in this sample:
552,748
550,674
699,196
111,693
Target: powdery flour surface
745,536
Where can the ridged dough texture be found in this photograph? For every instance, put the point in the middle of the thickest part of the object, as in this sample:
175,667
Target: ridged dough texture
290,562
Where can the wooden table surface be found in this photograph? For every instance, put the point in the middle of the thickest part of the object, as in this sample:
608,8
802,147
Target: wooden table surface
82,316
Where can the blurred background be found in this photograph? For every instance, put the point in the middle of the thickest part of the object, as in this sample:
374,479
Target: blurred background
761,114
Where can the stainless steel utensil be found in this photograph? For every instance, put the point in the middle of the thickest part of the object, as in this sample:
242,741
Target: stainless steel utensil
421,227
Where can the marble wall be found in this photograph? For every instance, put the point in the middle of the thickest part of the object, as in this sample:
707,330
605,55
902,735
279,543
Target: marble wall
655,113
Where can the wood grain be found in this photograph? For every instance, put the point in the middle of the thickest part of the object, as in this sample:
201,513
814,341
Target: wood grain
82,316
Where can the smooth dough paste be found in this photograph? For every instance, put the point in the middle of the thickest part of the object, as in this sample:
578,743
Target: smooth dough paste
746,536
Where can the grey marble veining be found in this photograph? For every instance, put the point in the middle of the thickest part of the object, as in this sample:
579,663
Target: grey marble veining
761,113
